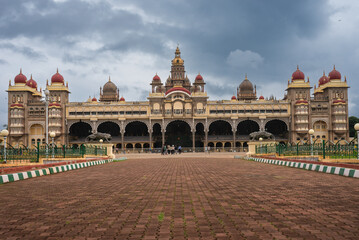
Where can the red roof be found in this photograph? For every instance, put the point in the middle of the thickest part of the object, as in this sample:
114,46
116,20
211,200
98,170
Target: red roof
122,99
20,78
334,74
298,75
94,99
57,78
199,77
31,83
233,97
323,79
156,78
261,98
178,89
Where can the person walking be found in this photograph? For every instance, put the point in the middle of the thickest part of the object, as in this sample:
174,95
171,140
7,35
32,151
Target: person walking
179,149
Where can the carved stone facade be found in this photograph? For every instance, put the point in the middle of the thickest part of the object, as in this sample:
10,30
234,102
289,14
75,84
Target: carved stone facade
180,113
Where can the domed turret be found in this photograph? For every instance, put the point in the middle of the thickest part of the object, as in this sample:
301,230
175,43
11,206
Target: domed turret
109,92
177,60
298,75
31,83
20,78
57,78
199,78
246,91
156,78
94,99
323,79
334,74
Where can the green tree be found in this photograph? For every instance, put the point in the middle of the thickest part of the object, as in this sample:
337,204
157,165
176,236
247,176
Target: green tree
352,121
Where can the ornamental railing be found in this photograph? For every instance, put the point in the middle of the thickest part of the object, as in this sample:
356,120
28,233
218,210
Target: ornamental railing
325,149
24,154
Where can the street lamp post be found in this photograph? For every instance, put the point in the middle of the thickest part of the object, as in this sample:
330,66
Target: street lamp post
47,93
4,133
101,141
311,132
52,135
260,145
356,127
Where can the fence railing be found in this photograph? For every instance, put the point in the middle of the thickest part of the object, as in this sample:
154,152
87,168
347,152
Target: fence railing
325,149
24,154
184,150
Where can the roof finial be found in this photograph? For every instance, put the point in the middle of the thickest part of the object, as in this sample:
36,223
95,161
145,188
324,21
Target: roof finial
10,82
20,70
308,79
334,67
109,78
31,76
297,67
246,77
345,78
323,73
57,70
47,82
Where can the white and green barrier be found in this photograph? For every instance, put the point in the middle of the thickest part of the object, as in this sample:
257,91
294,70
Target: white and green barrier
12,177
341,171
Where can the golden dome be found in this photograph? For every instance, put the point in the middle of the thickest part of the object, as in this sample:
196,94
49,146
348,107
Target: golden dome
177,60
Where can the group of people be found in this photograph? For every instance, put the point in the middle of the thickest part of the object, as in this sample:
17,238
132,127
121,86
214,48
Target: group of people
171,149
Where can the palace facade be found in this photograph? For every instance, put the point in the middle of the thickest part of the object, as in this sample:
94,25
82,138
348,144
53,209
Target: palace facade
179,112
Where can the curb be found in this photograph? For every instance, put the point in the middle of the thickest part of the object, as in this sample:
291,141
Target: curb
47,171
347,172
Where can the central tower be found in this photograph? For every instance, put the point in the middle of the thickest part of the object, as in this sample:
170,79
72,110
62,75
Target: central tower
178,77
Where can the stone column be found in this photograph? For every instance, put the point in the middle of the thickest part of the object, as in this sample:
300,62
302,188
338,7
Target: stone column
205,137
163,137
150,133
193,139
122,140
234,139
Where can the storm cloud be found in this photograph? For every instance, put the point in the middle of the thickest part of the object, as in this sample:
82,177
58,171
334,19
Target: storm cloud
89,40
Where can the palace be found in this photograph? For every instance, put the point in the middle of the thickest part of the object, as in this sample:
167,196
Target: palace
179,112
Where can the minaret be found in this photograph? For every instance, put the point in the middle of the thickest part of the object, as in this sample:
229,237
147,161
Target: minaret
177,70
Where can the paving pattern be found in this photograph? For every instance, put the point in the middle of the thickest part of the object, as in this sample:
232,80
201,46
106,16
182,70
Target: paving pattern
182,198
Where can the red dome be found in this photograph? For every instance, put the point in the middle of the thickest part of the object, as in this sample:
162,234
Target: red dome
31,83
156,78
323,79
334,74
94,99
178,89
233,97
122,99
261,98
199,77
298,75
20,78
57,78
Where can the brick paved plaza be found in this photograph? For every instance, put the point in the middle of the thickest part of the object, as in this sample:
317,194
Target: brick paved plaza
179,198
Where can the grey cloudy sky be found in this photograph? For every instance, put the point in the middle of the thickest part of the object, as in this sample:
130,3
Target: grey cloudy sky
88,40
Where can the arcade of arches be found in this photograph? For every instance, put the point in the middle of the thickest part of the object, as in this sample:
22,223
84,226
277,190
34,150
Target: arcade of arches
220,134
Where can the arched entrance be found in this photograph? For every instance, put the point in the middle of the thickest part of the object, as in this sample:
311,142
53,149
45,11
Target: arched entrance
109,127
278,128
246,127
178,133
136,128
199,135
79,131
220,128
